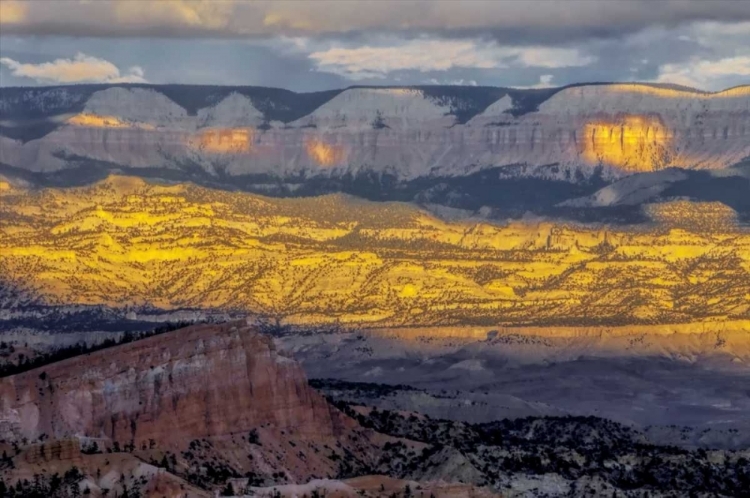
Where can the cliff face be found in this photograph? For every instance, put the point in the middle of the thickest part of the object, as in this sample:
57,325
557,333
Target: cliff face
406,132
208,381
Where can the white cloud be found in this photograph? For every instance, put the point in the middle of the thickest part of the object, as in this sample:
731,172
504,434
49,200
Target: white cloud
439,55
459,82
716,35
545,81
705,74
553,57
421,55
80,69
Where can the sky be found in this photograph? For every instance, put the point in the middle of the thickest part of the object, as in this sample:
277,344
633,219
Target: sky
313,45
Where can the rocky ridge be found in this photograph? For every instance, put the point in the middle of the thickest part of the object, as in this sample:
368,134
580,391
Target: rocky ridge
207,403
187,383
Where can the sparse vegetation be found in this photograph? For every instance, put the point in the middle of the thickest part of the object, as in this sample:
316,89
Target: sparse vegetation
25,364
573,448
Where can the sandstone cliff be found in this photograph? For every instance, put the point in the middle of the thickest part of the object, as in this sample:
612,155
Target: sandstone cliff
178,414
206,403
208,381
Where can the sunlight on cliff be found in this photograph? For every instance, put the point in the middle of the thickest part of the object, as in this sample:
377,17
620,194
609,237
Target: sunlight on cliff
649,90
224,140
740,91
324,154
666,92
97,121
632,143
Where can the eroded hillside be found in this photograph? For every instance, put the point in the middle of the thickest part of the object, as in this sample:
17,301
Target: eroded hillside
337,260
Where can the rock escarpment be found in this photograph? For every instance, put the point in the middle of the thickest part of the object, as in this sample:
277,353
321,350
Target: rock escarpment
202,404
209,381
405,132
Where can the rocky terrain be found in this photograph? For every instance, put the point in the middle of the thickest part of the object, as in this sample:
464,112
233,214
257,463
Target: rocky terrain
640,382
437,259
568,456
215,409
204,404
511,150
137,247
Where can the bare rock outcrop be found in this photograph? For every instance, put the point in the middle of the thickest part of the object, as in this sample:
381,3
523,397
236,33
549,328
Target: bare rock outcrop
203,381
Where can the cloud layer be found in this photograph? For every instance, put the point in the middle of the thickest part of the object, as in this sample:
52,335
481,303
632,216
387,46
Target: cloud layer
701,73
426,55
314,45
80,69
231,18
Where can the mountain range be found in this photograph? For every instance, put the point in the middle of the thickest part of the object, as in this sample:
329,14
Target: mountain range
507,150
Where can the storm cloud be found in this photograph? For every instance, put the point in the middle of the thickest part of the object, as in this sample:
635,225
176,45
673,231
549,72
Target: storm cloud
233,18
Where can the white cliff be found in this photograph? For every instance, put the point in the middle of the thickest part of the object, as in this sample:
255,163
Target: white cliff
395,108
233,111
619,129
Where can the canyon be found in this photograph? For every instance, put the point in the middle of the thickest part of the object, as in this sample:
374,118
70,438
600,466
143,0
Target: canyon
460,271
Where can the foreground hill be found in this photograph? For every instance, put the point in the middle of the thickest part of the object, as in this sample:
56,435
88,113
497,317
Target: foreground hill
215,409
200,390
179,414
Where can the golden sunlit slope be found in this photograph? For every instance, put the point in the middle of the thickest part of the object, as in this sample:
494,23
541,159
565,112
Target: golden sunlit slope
335,259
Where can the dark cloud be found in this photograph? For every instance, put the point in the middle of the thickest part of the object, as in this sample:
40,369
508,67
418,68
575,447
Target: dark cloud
522,21
312,45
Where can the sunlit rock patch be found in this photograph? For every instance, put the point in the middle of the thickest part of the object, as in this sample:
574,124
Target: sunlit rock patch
334,259
694,216
97,121
632,143
224,140
324,154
